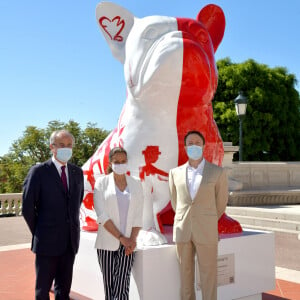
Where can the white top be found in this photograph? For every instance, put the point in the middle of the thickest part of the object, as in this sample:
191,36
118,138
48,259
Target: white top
58,166
123,203
194,178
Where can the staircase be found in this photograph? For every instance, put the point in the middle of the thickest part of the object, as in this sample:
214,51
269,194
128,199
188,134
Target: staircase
271,218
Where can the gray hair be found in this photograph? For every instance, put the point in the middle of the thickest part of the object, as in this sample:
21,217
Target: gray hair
56,133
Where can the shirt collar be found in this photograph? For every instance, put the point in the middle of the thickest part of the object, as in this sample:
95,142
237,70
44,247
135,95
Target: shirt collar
200,166
57,164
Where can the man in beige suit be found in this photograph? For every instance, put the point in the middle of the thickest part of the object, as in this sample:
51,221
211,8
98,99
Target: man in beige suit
199,194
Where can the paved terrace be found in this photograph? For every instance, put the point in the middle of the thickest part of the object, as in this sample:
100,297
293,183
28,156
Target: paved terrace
17,266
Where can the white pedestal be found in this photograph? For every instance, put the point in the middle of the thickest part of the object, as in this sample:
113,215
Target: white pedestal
156,273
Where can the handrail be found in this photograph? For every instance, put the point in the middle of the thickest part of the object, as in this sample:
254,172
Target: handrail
11,204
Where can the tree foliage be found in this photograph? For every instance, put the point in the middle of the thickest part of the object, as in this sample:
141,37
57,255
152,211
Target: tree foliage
33,147
271,127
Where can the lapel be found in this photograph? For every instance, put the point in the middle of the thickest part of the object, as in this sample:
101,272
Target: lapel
74,176
55,174
205,177
183,179
111,185
132,192
206,172
71,176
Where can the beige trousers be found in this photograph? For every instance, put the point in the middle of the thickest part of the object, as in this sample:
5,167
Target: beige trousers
207,263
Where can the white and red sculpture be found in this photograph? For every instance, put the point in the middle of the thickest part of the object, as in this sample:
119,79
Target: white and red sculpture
171,78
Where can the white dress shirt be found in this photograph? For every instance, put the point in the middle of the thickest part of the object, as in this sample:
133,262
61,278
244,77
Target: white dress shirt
194,178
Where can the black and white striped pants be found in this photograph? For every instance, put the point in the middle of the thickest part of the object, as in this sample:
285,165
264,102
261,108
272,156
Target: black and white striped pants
116,269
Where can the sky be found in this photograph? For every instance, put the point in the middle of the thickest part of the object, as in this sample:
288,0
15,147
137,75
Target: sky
55,63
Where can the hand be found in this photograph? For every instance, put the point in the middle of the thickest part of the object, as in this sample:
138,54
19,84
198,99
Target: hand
125,241
129,250
129,244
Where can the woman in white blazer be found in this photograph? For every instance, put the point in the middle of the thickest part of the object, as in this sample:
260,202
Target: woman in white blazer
118,201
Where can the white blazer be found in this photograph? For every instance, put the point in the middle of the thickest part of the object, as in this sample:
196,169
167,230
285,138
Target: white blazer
106,207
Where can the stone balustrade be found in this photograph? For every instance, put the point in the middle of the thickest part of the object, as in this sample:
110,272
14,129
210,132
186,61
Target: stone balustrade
264,183
266,175
11,204
261,183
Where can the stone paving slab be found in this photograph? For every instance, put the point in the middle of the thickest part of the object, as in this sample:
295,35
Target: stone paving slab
17,280
14,234
14,230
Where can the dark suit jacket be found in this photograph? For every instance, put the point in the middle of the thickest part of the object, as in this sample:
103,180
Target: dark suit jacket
51,213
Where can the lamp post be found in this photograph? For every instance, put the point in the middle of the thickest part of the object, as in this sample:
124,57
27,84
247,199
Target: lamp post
240,106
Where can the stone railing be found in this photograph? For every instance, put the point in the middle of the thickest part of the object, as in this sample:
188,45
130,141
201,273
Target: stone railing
11,204
267,175
264,183
261,183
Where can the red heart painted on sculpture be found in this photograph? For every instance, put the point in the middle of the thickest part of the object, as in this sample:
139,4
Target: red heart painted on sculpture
112,26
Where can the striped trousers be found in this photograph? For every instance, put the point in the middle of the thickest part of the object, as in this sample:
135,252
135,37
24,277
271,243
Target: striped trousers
116,269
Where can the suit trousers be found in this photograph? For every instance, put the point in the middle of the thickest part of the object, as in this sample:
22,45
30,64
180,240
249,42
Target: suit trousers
116,269
57,268
207,262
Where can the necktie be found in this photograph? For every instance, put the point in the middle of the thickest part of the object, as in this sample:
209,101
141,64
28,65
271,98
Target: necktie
64,177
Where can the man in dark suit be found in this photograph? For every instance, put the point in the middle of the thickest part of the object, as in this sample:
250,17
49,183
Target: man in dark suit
52,195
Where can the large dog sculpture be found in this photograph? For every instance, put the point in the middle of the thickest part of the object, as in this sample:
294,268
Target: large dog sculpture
171,79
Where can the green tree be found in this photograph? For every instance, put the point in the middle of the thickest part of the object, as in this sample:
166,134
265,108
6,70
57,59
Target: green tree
33,147
271,127
91,139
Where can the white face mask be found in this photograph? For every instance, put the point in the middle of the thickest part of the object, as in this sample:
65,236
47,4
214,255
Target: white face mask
194,152
119,169
63,154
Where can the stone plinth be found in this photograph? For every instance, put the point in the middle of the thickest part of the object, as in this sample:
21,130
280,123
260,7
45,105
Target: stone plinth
248,272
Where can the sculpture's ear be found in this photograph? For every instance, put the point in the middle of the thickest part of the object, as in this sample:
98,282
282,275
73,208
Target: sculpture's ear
115,23
212,17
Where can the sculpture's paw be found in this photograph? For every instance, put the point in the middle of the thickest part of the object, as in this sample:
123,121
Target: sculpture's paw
89,224
150,237
228,225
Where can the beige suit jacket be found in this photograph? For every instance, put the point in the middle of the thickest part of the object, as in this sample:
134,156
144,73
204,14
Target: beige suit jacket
197,219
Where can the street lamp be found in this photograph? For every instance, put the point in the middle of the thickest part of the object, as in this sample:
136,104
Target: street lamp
240,106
